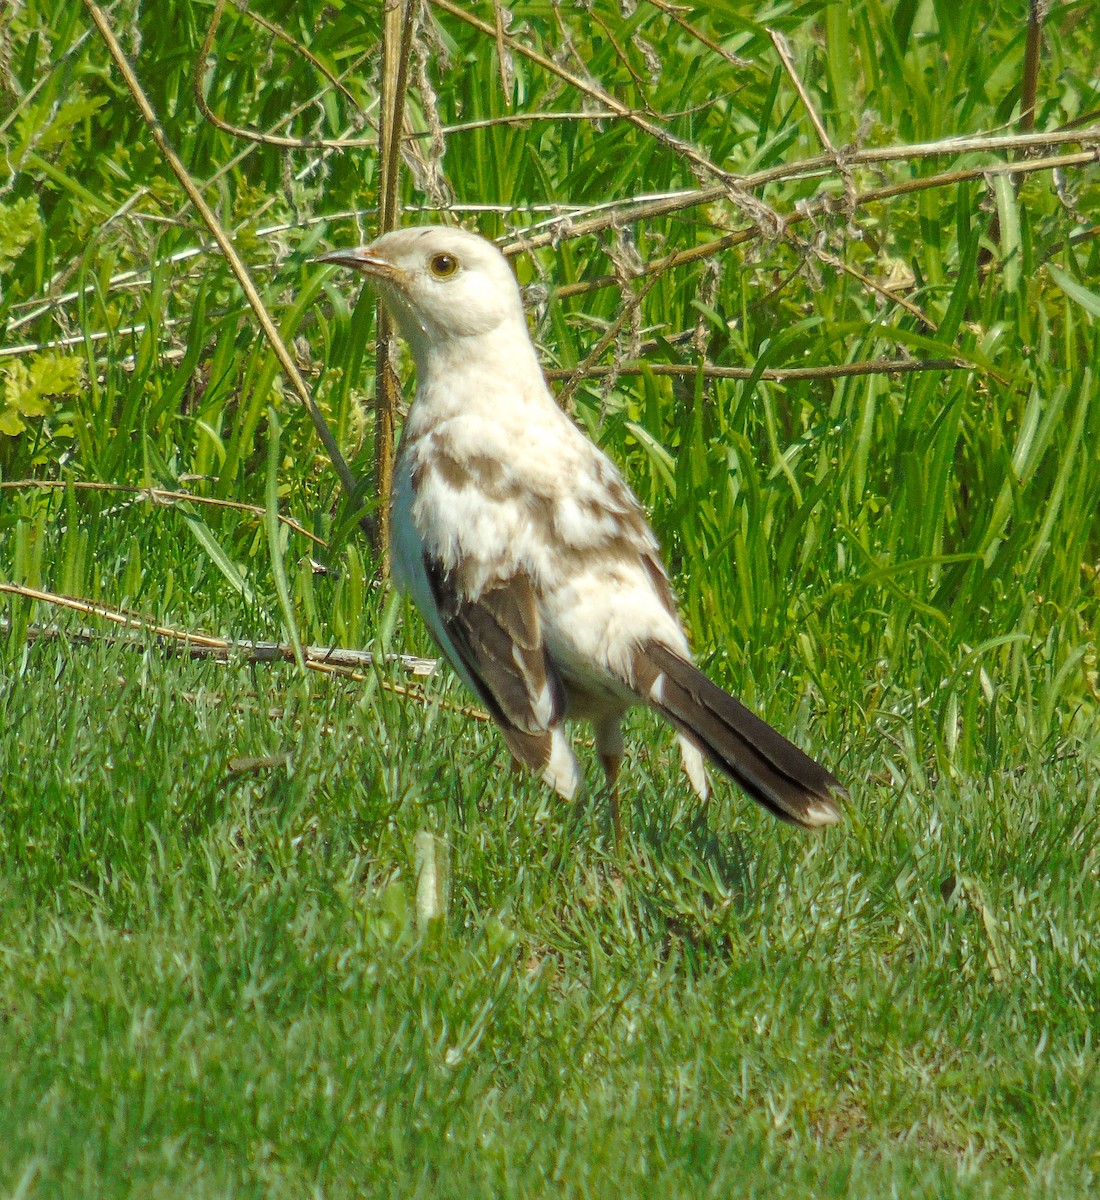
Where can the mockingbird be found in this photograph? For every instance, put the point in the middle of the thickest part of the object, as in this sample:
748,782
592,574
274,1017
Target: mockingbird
530,559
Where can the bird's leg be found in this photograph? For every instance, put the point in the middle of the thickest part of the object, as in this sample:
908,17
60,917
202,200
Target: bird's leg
611,764
609,746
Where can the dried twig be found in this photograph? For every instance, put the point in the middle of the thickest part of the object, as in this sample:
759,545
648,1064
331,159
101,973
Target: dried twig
675,13
878,366
225,244
805,212
784,52
601,95
586,369
337,659
397,32
326,660
156,496
629,211
572,222
252,135
531,118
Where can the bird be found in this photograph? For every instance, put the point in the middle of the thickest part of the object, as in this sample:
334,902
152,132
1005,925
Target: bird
530,559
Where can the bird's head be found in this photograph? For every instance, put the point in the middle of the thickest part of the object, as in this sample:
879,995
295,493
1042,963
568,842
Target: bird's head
439,284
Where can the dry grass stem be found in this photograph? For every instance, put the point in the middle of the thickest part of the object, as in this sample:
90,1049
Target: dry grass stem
154,495
225,244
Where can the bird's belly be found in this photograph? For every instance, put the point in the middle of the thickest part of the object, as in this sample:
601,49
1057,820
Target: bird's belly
594,698
595,619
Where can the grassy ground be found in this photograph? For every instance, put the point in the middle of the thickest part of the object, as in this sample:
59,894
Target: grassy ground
220,972
216,982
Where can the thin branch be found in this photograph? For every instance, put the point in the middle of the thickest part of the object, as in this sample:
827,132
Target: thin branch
878,366
624,59
575,221
784,52
137,277
337,658
675,13
822,204
398,20
629,211
225,244
586,369
530,118
588,88
1074,240
873,285
327,660
252,135
78,339
658,266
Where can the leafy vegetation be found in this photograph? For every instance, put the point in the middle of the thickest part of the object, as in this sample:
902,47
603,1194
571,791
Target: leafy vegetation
224,969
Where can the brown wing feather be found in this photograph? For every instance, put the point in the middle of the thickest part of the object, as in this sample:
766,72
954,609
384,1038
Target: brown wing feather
499,639
771,769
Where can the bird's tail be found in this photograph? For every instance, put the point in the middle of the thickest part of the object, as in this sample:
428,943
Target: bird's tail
772,770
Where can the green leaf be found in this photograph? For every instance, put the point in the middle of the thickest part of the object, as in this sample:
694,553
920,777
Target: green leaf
10,422
275,539
30,391
1011,246
234,576
20,224
1089,301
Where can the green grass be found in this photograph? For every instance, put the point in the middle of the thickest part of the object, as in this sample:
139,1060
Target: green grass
218,972
217,984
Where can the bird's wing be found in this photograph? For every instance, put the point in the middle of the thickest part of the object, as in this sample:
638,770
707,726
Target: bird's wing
498,641
492,530
632,529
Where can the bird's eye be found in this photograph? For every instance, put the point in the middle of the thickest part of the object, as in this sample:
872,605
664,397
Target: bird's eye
442,266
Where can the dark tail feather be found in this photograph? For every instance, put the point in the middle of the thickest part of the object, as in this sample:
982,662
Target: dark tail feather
772,770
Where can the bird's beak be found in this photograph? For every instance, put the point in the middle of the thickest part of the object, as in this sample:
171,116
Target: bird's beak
365,260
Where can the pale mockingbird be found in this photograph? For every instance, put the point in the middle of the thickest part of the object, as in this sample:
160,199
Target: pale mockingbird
529,557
